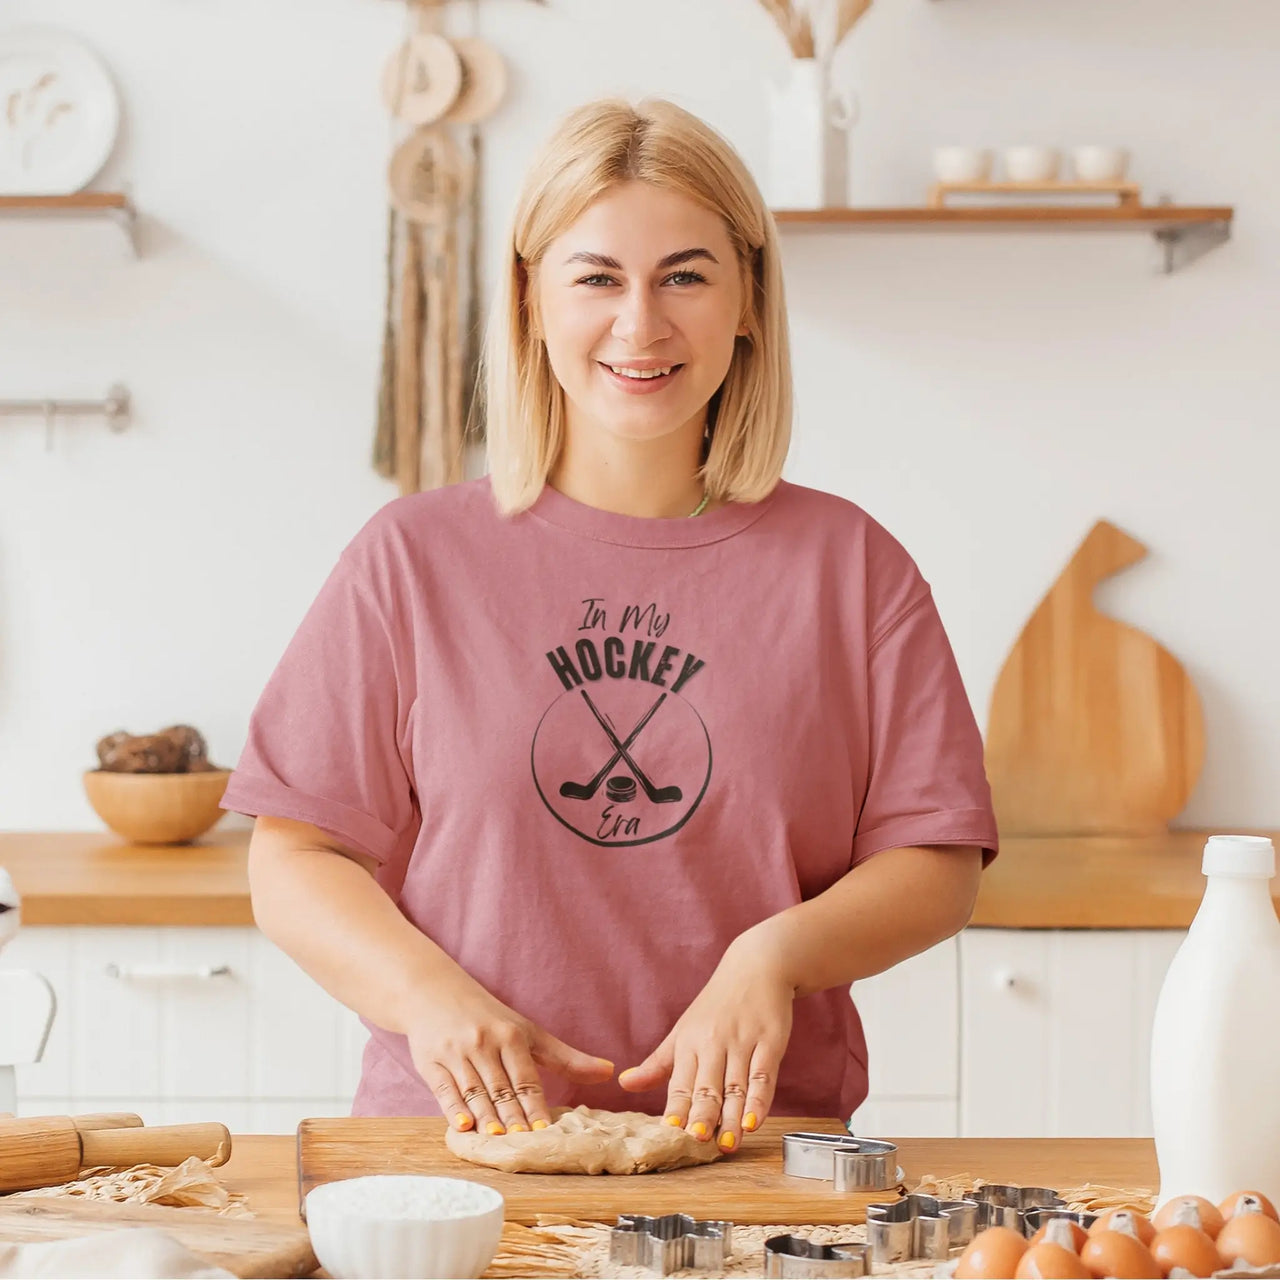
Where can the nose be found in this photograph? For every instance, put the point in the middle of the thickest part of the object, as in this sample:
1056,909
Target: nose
640,321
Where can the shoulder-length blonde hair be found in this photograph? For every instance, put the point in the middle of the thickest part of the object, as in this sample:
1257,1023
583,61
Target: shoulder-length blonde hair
596,147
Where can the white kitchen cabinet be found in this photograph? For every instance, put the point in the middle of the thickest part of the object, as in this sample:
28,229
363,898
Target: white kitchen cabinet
1055,1030
911,1018
181,1024
996,1033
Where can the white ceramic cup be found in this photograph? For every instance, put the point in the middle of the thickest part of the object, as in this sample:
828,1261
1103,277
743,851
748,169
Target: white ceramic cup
961,164
1031,163
1099,164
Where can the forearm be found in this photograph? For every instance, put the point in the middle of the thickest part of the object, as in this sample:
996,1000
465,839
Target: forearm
896,904
325,910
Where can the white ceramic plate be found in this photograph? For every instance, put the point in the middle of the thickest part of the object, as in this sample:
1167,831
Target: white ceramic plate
59,112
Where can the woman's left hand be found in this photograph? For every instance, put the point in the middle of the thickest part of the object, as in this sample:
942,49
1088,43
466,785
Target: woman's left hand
722,1056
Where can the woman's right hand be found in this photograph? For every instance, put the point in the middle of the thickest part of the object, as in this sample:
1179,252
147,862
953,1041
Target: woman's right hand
480,1059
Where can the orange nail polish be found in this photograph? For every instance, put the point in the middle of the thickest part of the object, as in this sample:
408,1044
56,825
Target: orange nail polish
749,1121
494,1128
675,1121
700,1129
517,1128
728,1141
539,1124
462,1120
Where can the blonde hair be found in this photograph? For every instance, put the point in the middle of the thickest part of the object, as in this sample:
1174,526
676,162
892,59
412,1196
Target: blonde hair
596,147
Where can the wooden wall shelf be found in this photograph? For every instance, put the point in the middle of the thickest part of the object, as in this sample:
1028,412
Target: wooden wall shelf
1184,232
115,205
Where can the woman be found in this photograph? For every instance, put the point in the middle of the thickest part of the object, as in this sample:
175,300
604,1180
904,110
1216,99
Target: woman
631,752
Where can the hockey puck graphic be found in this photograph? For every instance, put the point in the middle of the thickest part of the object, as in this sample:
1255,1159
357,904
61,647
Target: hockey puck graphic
620,788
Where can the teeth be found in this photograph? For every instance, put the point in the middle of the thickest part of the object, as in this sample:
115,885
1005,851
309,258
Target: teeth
641,373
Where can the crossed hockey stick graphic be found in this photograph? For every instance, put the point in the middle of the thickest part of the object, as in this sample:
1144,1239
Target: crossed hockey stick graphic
585,790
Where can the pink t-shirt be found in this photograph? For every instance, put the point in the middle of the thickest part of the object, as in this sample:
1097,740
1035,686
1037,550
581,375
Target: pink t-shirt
589,750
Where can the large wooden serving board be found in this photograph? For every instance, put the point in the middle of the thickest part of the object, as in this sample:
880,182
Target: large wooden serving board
243,1246
1094,727
745,1187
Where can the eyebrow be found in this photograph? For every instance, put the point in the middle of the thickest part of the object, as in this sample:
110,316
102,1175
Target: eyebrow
671,260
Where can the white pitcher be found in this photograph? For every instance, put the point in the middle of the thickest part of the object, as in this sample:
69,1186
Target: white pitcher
809,123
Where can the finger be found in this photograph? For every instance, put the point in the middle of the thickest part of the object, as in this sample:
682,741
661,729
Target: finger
708,1093
653,1070
761,1082
445,1089
488,1063
527,1085
476,1095
567,1061
736,1074
684,1072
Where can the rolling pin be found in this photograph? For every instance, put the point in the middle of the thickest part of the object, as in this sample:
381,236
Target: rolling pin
45,1151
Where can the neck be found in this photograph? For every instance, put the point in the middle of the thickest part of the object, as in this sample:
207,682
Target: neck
653,478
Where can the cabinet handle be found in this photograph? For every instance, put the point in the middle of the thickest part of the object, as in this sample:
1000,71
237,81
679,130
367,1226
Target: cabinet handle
167,971
1006,980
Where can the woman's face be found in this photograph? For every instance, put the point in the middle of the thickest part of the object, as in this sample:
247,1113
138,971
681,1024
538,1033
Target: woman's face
640,301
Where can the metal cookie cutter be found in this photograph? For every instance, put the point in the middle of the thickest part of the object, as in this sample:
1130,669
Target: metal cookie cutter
794,1257
853,1164
1000,1205
919,1226
666,1244
1034,1219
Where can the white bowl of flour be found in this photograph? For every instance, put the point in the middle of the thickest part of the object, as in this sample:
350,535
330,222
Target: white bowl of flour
404,1225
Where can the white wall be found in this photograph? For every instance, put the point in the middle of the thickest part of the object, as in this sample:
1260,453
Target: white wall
985,396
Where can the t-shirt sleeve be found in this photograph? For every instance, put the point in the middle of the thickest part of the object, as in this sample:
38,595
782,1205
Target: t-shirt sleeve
926,780
328,741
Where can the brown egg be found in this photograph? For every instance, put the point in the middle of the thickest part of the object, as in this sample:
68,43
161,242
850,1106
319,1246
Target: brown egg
1183,1245
1252,1236
1231,1205
1119,1255
1049,1261
992,1254
1121,1220
1078,1234
1210,1216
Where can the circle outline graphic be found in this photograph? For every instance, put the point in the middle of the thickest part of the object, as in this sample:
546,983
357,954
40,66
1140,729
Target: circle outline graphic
622,844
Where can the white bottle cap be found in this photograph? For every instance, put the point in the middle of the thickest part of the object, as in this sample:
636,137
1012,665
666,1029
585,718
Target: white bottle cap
1239,856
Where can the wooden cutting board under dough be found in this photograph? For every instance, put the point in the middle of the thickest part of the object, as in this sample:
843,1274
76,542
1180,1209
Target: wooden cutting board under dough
242,1246
745,1187
1094,728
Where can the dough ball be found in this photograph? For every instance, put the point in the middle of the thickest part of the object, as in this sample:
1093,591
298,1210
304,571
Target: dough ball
583,1140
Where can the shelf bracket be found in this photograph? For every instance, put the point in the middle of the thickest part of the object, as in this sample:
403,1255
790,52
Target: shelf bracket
1183,245
127,220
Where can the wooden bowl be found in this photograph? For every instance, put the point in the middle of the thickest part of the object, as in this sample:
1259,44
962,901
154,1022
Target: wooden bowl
157,808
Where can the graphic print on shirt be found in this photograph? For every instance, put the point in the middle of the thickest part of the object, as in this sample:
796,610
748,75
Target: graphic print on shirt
621,756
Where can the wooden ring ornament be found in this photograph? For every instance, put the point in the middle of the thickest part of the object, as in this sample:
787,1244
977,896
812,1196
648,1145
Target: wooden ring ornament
484,81
429,179
422,78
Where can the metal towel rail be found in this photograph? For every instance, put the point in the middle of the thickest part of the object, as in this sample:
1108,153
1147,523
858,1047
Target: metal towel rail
115,408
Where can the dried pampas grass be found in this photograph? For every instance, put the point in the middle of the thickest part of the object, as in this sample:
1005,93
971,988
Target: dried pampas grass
815,27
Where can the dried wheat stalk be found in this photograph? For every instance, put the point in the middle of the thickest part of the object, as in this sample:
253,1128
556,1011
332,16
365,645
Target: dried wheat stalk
847,14
796,21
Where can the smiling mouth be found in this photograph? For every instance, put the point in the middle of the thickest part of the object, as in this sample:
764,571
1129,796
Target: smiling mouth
658,374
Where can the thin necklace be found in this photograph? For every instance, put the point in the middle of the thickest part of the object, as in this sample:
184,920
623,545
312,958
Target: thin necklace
702,506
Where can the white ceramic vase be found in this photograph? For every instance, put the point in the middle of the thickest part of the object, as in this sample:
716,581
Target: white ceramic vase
809,123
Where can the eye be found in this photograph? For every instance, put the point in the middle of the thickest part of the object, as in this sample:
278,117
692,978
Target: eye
688,277
595,280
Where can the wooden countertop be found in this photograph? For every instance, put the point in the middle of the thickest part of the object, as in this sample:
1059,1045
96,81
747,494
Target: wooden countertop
1061,882
1098,882
95,877
265,1167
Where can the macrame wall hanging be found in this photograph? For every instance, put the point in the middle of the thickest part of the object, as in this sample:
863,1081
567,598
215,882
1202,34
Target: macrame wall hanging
438,89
